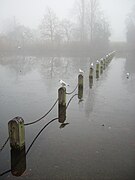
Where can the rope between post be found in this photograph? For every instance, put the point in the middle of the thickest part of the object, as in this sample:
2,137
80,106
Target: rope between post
4,144
30,123
73,90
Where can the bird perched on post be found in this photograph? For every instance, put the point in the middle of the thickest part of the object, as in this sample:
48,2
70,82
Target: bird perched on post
81,71
127,75
97,61
91,65
63,83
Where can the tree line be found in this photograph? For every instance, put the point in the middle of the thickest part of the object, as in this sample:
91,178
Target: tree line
87,31
130,24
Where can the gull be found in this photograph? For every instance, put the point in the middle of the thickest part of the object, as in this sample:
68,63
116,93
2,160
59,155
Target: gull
91,64
81,71
63,83
19,47
127,75
97,61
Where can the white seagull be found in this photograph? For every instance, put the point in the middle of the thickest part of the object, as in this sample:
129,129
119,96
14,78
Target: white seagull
19,47
63,83
128,75
97,61
81,71
91,65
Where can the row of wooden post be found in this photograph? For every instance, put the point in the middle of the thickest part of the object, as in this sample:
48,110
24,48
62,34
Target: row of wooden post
16,125
100,67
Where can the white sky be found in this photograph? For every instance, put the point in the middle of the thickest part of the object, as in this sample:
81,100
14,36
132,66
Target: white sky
30,12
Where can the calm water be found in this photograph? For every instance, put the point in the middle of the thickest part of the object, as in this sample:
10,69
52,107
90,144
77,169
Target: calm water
99,141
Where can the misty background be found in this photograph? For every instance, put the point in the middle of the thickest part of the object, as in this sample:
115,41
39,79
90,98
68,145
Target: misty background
66,27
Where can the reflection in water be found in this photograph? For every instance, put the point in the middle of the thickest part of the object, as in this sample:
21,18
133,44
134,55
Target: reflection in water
90,82
130,63
90,103
80,93
80,86
63,125
62,104
18,162
97,75
95,145
62,113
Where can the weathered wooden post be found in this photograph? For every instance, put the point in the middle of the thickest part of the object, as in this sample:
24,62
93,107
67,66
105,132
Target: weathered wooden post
106,60
101,66
18,161
80,86
109,58
104,64
16,133
62,104
91,75
97,69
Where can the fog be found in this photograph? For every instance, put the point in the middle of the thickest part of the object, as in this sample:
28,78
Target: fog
69,65
30,13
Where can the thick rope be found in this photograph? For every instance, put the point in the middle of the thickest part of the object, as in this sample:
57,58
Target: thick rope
73,90
30,123
40,133
70,100
4,144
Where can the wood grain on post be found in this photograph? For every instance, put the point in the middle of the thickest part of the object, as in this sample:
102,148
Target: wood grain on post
16,133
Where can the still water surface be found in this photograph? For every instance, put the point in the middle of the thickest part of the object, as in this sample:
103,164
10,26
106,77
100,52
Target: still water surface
99,141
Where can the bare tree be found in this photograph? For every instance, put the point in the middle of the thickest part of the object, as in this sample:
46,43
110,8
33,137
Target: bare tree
49,25
80,14
130,23
66,29
92,11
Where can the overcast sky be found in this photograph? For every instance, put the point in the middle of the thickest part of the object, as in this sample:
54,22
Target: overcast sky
30,12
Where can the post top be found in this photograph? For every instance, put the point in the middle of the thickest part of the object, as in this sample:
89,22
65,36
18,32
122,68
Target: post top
17,120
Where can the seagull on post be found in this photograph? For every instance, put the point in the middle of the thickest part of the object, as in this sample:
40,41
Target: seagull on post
91,65
63,84
127,75
81,71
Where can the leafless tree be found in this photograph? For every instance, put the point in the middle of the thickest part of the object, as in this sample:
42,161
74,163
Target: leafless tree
49,25
130,24
80,14
92,17
66,30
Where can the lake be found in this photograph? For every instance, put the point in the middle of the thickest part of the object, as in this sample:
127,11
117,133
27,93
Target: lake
99,141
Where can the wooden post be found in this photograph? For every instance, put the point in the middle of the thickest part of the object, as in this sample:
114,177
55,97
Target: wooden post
80,86
101,66
109,58
104,64
18,161
97,69
62,104
91,77
16,133
106,60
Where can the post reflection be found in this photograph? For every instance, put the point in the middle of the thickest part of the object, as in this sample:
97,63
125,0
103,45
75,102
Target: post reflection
91,82
18,161
62,113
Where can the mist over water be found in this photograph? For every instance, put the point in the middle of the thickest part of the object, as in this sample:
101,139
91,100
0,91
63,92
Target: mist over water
45,45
